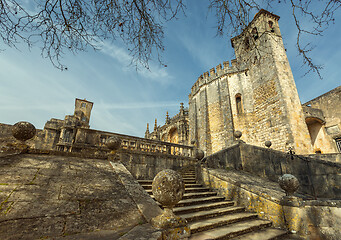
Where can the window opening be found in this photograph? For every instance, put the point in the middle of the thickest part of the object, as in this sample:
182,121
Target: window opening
255,33
338,143
239,104
271,26
83,105
247,43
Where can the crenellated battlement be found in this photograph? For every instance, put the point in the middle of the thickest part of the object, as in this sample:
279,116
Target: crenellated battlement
214,73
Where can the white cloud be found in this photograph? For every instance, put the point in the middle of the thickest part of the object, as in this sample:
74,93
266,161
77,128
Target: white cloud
156,73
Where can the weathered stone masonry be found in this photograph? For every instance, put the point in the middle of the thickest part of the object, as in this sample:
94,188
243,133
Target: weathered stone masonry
256,95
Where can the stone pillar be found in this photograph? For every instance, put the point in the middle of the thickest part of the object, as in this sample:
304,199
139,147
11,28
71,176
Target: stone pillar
113,144
290,203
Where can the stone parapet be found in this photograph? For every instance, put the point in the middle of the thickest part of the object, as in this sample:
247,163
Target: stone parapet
215,73
309,219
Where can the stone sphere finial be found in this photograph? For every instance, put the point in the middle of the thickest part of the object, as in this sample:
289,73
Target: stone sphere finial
289,183
23,131
113,143
168,187
199,154
268,144
237,134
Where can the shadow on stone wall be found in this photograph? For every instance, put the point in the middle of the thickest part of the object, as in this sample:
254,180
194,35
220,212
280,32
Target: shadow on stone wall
318,178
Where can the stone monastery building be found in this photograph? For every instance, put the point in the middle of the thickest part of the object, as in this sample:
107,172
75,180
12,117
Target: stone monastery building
69,181
256,95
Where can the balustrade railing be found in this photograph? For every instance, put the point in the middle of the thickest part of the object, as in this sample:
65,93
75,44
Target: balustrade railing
149,145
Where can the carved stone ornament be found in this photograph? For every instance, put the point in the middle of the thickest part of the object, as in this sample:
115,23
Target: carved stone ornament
113,143
237,134
289,183
23,131
168,188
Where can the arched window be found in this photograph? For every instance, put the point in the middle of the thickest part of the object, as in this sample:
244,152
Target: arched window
271,26
239,105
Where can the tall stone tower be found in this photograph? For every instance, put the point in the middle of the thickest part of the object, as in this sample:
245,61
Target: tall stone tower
83,111
256,95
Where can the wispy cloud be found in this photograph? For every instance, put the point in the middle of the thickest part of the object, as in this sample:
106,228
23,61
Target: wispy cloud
156,73
138,105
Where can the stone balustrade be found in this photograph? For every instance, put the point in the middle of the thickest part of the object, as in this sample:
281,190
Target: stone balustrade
148,145
92,138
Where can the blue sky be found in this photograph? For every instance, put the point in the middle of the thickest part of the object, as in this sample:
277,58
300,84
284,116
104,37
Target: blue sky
31,89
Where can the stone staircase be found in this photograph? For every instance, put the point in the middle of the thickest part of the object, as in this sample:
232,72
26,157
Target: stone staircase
212,217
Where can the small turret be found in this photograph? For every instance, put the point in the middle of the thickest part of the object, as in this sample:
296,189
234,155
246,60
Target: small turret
147,133
167,118
155,125
181,108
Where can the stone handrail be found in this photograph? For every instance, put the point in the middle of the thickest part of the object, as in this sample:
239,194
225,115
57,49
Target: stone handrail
149,145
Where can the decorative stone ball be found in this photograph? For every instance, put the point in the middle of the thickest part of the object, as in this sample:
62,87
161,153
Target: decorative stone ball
23,131
237,134
289,183
113,143
168,187
199,154
268,144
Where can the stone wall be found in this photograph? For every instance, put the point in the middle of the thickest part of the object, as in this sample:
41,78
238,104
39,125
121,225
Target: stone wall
311,219
257,95
44,196
144,165
6,138
318,178
329,104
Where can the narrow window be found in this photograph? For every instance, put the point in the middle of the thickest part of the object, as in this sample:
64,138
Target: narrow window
239,103
83,105
338,144
83,118
271,26
255,33
247,43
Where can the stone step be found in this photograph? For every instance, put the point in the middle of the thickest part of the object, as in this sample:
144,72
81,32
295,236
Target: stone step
189,182
194,195
149,186
145,181
232,230
202,207
195,216
187,186
198,195
189,179
196,201
219,221
197,191
264,234
192,185
189,176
